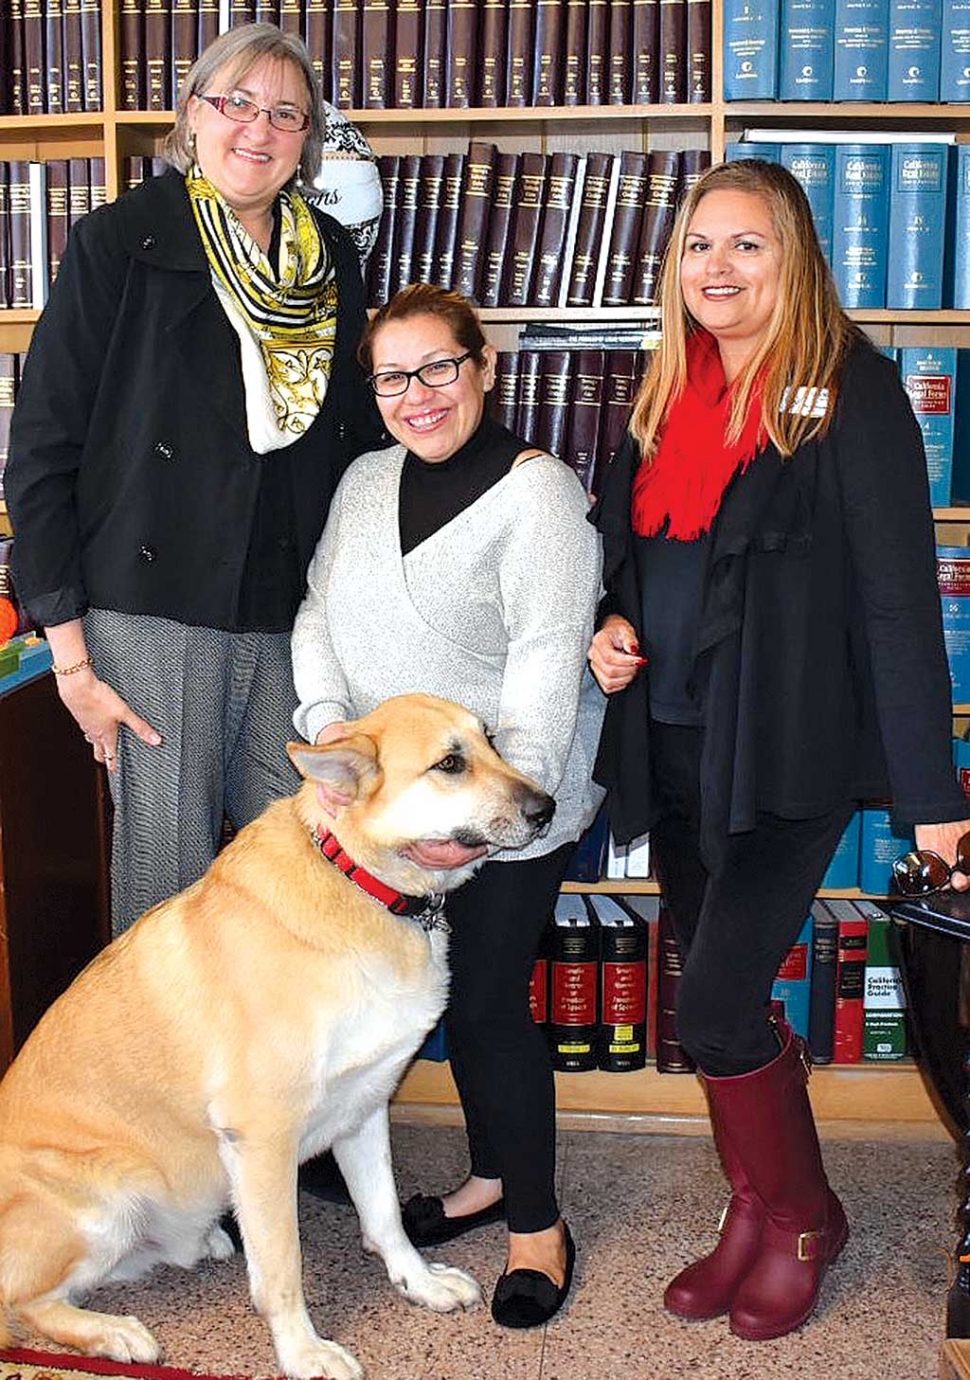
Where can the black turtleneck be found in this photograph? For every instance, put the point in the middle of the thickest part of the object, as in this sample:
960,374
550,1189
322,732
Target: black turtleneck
435,492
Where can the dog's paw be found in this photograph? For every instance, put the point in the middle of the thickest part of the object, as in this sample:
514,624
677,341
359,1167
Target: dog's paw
442,1288
127,1340
319,1357
219,1244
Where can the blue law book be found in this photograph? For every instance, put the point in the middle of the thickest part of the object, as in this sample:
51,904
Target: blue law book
961,762
750,50
861,68
929,375
956,260
917,223
960,487
955,51
880,844
814,167
860,223
914,50
791,989
953,577
821,1007
843,870
739,149
806,50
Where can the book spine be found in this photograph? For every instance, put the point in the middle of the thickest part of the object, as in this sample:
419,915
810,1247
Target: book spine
750,50
318,22
663,175
860,224
850,974
673,51
914,50
698,51
861,67
53,57
382,257
18,199
73,57
806,50
345,54
917,220
499,222
34,55
618,394
560,188
267,12
623,998
447,228
435,42
375,51
185,37
821,1018
528,404
879,846
671,1057
644,44
573,1014
57,195
5,251
408,23
694,163
955,51
625,233
132,42
583,426
884,1035
8,389
953,578
18,59
518,71
843,869
814,167
589,230
574,53
928,373
157,51
290,20
505,394
208,24
547,48
405,222
956,267
792,983
619,73
241,12
539,982
494,42
96,179
426,223
476,200
524,229
597,51
554,372
461,53
79,190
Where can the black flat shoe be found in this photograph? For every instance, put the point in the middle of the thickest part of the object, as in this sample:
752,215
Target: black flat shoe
528,1298
321,1178
425,1223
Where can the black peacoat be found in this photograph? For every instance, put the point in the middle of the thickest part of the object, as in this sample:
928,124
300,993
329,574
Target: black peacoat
131,482
819,649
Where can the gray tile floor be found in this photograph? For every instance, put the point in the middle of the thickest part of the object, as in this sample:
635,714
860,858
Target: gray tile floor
639,1207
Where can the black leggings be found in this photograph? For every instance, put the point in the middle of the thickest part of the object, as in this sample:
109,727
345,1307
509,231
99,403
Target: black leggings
499,1056
733,928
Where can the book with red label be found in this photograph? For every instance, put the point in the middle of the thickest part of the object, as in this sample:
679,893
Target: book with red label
622,1044
573,1005
539,982
850,982
671,1056
648,909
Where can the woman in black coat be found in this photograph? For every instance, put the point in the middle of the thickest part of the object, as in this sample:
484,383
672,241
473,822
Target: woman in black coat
772,648
190,399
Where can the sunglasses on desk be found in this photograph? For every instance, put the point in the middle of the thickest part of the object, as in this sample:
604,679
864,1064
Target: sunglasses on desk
923,872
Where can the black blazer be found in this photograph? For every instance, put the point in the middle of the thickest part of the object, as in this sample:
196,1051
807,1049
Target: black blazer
820,644
131,481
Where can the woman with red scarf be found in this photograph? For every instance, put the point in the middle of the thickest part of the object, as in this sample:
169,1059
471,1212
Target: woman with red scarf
771,643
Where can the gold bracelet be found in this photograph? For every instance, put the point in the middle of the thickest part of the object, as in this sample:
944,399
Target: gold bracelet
78,666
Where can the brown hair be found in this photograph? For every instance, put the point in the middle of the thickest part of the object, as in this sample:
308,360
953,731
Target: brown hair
807,336
426,299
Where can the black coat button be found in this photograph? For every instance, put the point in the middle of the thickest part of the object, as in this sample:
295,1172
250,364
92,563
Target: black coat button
148,242
164,450
147,554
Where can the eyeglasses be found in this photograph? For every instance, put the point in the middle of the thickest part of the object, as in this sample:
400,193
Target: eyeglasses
391,383
922,872
287,118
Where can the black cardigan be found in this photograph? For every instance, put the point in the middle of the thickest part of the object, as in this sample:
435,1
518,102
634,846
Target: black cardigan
131,481
820,645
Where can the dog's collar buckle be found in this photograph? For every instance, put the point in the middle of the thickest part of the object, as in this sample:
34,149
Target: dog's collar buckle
427,911
433,916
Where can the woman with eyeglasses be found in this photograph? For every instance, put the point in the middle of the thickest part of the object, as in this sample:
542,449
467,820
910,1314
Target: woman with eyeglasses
190,400
773,653
460,562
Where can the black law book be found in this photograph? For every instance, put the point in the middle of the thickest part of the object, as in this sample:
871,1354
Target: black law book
524,229
34,55
619,390
58,183
91,54
622,1032
555,367
597,52
698,50
18,202
73,56
573,967
645,39
461,54
132,54
671,1056
17,85
208,23
379,268
318,31
8,390
430,185
574,54
585,406
132,171
4,235
435,77
504,397
345,54
158,54
97,184
267,12
625,231
518,72
673,51
589,230
291,18
560,189
493,45
619,77
527,408
377,53
547,71
495,245
446,231
185,41
408,54
79,190
660,207
476,200
693,164
241,12
821,1009
53,57
405,222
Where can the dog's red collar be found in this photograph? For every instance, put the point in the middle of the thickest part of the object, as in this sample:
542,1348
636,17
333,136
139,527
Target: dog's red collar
427,910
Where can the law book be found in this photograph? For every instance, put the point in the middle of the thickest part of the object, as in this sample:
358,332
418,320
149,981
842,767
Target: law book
380,267
502,403
493,44
553,230
132,53
519,53
955,50
850,973
917,221
345,50
8,389
209,22
791,988
849,136
860,219
929,375
476,197
547,61
524,229
625,230
660,207
861,66
290,17
17,82
806,50
97,182
953,578
4,235
622,1034
597,51
599,278
53,57
671,1057
405,221
526,412
18,201
158,54
619,73
57,221
539,980
750,50
33,25
376,53
956,260
79,190
583,416
813,165
738,149
318,30
914,50
185,41
446,231
430,184
672,43
408,54
91,54
573,1005
73,59
884,1035
132,172
434,76
880,844
495,243
638,857
589,230
267,12
644,45
241,12
619,388
821,1013
554,373
843,869
693,164
574,53
461,54
699,84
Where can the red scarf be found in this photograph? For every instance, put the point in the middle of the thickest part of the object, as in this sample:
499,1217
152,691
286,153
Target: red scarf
693,466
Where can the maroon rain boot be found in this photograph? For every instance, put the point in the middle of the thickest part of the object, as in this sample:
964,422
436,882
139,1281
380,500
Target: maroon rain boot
767,1117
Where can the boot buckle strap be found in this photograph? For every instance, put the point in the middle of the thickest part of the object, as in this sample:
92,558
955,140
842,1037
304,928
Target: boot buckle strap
807,1244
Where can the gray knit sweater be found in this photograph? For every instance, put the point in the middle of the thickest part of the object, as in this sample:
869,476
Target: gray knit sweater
494,610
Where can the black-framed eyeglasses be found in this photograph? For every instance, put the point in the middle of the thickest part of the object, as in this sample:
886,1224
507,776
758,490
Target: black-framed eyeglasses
922,872
287,118
390,383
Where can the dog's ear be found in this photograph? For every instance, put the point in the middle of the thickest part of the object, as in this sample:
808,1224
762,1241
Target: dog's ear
344,770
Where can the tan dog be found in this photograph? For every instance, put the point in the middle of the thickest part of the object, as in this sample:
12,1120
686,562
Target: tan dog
263,1014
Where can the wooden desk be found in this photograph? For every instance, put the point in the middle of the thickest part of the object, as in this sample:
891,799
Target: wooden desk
54,855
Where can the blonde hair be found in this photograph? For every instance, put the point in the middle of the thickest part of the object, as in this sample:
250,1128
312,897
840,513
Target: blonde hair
807,336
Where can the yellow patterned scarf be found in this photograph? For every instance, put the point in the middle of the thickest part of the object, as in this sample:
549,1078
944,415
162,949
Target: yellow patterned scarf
291,311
